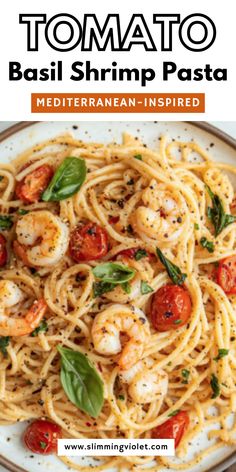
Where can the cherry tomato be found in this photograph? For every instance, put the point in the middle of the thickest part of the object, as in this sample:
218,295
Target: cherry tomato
88,243
226,275
31,187
3,251
174,428
170,307
41,437
131,253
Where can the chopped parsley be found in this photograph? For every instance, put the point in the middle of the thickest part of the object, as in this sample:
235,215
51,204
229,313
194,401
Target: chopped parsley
22,211
209,245
185,374
138,156
43,445
5,222
41,328
145,288
221,353
174,413
215,386
140,254
196,226
4,342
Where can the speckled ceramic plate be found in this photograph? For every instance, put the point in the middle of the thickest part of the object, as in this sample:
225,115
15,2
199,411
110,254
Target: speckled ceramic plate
16,139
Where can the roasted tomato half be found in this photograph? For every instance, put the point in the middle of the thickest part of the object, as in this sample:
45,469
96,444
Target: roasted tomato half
170,307
88,243
226,275
41,437
174,428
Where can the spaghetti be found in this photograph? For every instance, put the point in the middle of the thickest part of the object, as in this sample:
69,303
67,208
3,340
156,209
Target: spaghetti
143,200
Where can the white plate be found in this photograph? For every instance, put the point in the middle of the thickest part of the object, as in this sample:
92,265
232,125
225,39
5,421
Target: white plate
222,148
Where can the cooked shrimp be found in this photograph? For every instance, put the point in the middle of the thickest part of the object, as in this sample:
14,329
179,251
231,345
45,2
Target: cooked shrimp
144,272
163,213
10,295
118,293
146,384
108,326
44,238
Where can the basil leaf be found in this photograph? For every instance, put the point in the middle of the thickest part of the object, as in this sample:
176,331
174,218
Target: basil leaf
113,272
174,413
215,386
41,328
216,213
5,222
140,254
173,271
145,288
221,353
229,219
185,374
209,245
4,342
126,287
66,181
99,288
81,382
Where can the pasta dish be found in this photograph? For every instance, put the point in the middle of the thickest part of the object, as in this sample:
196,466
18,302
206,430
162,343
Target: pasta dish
118,296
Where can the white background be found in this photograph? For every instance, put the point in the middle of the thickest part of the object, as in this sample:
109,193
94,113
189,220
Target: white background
220,96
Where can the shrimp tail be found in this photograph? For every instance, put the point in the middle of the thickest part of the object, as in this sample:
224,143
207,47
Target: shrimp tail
36,313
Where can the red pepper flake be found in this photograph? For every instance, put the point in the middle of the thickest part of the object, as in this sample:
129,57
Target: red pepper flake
88,424
99,367
113,220
162,213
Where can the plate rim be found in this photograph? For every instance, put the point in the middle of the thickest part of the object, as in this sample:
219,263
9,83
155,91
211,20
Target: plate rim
203,125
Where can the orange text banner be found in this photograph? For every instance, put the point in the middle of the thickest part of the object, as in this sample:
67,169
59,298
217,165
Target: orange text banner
117,102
